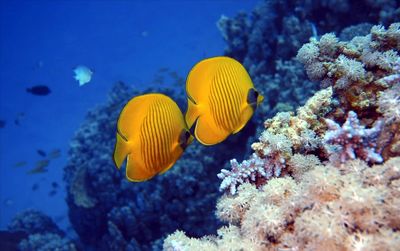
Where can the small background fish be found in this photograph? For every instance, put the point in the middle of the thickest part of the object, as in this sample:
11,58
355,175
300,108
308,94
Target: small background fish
39,90
82,74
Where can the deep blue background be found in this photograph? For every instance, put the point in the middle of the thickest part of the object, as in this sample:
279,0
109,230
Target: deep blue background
42,41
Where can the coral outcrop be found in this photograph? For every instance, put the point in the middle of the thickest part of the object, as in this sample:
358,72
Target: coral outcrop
267,39
347,208
327,177
42,233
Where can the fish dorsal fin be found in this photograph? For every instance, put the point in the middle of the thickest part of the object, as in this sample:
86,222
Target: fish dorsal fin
199,79
205,130
130,118
198,85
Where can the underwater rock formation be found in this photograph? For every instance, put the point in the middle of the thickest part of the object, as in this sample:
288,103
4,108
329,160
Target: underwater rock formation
42,233
33,221
311,183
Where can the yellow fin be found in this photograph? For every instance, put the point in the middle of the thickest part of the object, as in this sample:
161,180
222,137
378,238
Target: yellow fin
191,114
135,171
167,168
207,132
199,79
121,150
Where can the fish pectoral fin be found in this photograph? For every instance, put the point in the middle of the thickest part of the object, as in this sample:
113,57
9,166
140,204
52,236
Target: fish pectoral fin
121,150
137,171
207,132
245,116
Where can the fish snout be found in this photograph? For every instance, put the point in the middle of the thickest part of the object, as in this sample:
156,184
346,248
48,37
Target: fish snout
260,99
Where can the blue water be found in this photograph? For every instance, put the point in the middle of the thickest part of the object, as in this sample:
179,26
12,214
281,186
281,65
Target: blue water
42,41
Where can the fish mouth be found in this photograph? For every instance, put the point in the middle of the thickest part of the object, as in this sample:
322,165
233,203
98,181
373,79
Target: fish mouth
260,99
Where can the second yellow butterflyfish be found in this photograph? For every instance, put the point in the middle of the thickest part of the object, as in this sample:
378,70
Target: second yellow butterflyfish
221,99
151,135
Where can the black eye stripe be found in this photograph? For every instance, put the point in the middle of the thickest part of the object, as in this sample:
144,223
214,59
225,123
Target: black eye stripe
252,96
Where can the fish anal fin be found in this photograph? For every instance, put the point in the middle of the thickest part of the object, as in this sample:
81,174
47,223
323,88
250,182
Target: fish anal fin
136,171
207,132
167,168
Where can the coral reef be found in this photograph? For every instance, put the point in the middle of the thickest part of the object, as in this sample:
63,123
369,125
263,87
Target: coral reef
33,221
266,40
46,242
388,103
311,183
285,135
364,75
329,209
276,29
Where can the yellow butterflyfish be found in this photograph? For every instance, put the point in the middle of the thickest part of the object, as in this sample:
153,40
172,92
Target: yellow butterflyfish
151,135
221,99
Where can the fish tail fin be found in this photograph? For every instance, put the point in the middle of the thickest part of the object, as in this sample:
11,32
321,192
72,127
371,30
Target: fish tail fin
121,150
192,113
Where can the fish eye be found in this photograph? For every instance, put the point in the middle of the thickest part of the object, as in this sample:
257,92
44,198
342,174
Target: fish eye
256,94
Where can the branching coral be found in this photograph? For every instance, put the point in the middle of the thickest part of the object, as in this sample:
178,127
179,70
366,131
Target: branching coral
285,134
353,140
269,162
251,170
